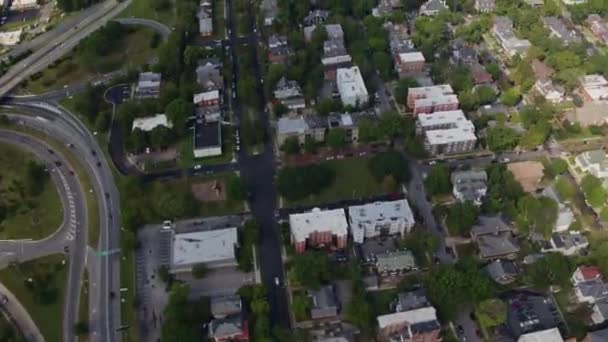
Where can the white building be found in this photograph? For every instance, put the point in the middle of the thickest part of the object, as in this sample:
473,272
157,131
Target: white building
148,123
439,120
567,243
380,218
446,132
594,88
20,5
550,91
319,228
594,162
213,248
552,335
351,87
421,323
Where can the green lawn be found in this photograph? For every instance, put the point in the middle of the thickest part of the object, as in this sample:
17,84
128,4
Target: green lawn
38,218
49,317
143,9
219,24
353,180
7,331
187,160
131,51
128,311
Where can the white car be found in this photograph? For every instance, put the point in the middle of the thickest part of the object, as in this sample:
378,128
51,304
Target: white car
198,167
167,224
277,282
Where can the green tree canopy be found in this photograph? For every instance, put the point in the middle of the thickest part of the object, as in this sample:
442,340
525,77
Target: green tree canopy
491,312
537,215
501,138
461,217
311,269
389,163
593,190
437,181
336,138
298,182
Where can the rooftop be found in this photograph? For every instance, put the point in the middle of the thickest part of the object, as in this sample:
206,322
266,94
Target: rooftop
317,220
204,247
148,123
408,57
225,305
350,81
410,318
436,101
289,125
552,335
489,225
380,212
432,91
207,134
465,132
149,79
397,260
411,300
559,29
445,118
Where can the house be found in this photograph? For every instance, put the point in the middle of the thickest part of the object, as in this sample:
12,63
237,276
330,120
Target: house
528,174
334,32
398,39
485,6
148,85
541,70
319,228
432,99
213,248
594,162
553,93
351,87
528,312
208,74
334,57
207,139
565,216
300,127
558,29
599,312
269,10
593,88
278,50
395,263
470,185
380,219
289,93
567,243
596,336
386,7
502,271
149,123
433,7
224,306
413,325
205,18
597,25
231,329
408,63
206,99
458,139
411,300
552,335
494,238
439,120
535,3
503,32
324,302
589,286
348,122
22,5
480,75
463,53
316,17
371,248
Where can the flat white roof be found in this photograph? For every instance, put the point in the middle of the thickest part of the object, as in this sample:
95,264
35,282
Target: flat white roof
552,335
350,82
426,314
436,101
206,96
593,81
466,132
452,117
317,220
380,211
204,247
149,123
407,57
437,90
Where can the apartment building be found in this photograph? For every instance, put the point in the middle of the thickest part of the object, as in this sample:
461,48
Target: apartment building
503,32
351,87
593,88
432,99
380,219
408,63
446,132
319,228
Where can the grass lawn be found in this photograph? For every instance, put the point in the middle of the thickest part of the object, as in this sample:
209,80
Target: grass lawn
132,50
353,180
42,216
48,318
143,9
187,159
128,312
219,24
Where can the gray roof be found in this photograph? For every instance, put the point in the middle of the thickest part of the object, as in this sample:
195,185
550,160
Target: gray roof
225,306
269,8
487,225
287,125
434,5
492,246
207,134
416,299
316,16
208,74
597,336
558,27
502,271
394,261
469,183
596,289
324,302
315,122
568,239
225,326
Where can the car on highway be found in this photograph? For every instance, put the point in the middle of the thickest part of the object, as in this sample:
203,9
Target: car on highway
167,224
277,282
197,167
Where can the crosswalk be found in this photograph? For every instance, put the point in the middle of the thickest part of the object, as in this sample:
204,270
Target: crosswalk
71,232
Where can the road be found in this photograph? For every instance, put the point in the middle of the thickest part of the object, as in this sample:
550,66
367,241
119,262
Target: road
72,234
20,317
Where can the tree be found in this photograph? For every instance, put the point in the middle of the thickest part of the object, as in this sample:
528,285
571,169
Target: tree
565,59
437,181
485,95
291,146
422,243
300,306
368,131
326,106
491,312
389,184
553,269
537,215
564,188
554,167
595,194
494,70
310,145
510,97
501,138
389,163
298,182
236,188
402,89
311,269
199,271
394,125
336,138
279,109
81,328
178,111
161,137
461,217
179,321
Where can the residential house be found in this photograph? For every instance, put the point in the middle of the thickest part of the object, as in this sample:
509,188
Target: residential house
480,75
529,312
289,93
149,123
334,57
231,329
494,238
207,138
371,248
596,336
599,312
22,5
207,105
411,300
565,216
503,32
463,53
278,50
395,263
593,88
300,127
380,219
334,32
386,7
594,162
589,286
567,243
541,70
597,25
324,303
535,3
552,335
316,17
209,75
351,87
214,248
398,39
269,9
485,6
224,306
205,18
558,29
433,7
432,99
319,228
409,63
439,120
148,85
528,174
470,185
349,122
553,93
502,271
414,325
